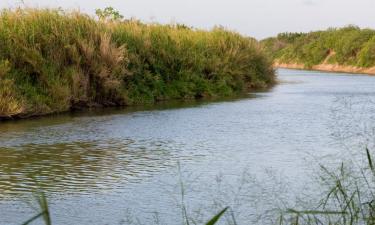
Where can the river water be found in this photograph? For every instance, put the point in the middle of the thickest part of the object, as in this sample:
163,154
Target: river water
123,166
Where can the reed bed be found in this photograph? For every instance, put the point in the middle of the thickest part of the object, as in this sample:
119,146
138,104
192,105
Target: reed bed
54,61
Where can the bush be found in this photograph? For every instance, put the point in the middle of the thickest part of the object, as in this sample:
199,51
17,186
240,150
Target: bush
346,46
57,61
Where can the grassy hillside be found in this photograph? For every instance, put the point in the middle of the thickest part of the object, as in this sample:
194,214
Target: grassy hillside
348,46
54,61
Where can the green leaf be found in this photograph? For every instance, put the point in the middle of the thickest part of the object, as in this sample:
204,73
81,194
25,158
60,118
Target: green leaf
314,212
42,200
33,218
217,217
370,160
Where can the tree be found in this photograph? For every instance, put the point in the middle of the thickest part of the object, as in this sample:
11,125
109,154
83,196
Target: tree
109,14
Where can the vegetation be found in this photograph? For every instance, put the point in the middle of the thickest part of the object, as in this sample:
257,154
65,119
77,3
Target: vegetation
109,14
44,210
54,61
348,198
45,213
350,46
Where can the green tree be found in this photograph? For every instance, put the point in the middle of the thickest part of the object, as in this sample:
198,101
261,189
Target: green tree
109,14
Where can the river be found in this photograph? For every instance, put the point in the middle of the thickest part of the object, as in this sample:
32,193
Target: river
115,166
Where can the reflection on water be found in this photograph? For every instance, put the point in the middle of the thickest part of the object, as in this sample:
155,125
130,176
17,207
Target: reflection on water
95,164
77,153
81,151
78,166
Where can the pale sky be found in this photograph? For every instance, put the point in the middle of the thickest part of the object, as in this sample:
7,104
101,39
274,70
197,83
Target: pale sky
256,18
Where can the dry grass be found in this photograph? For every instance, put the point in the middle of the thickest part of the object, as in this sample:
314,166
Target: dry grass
60,60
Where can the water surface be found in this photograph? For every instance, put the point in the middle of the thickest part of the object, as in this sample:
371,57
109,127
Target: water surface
99,167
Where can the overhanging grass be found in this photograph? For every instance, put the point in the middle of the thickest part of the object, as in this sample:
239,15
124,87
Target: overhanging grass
54,61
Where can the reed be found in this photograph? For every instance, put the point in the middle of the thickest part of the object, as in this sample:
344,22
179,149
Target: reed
347,46
45,213
54,61
348,198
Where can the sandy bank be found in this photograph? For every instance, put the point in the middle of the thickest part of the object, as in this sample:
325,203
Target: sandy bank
328,68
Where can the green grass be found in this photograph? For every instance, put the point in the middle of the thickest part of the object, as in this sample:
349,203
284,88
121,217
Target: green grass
45,213
350,46
348,198
54,61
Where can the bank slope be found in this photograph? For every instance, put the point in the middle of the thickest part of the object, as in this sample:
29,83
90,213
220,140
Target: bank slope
349,49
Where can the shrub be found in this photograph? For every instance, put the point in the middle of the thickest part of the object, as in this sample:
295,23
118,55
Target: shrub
58,60
346,46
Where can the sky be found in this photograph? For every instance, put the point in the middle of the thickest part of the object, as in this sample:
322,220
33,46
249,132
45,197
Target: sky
256,18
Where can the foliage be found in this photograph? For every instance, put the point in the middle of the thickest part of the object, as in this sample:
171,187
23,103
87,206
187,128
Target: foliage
109,14
346,46
216,218
44,211
348,198
10,103
54,61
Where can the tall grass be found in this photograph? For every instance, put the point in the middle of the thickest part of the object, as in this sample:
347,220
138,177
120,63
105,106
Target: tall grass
349,46
45,213
348,198
54,61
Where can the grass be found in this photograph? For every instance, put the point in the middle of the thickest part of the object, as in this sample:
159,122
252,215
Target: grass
45,213
348,199
44,209
349,46
54,61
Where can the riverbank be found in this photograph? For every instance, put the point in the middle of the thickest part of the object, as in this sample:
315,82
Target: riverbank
56,61
107,151
349,49
327,68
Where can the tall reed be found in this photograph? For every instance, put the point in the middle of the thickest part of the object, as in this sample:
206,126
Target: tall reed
348,199
55,61
349,46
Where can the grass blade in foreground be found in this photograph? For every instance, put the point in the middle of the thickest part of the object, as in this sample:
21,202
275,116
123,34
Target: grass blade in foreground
43,204
217,217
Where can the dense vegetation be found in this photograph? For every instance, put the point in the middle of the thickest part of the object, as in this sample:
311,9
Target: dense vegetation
54,61
349,46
